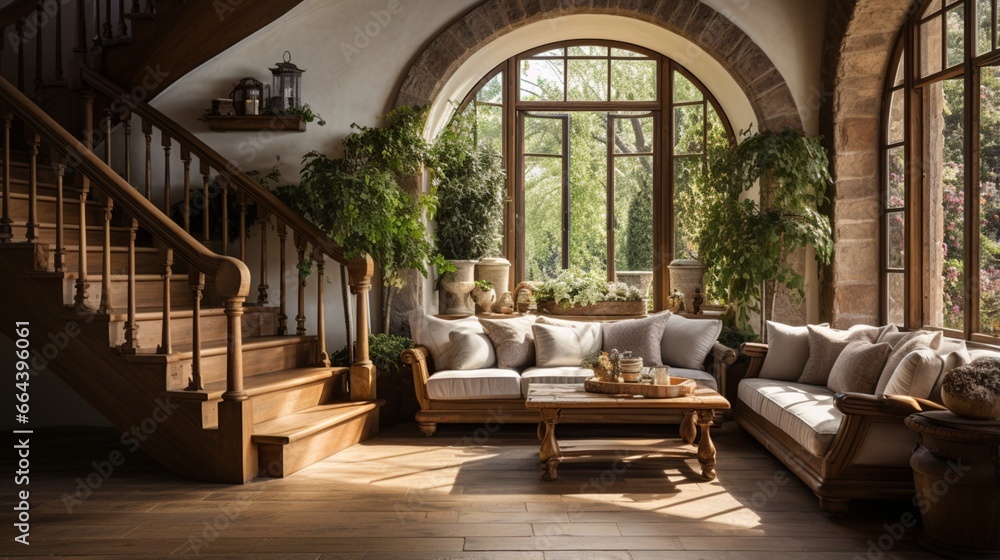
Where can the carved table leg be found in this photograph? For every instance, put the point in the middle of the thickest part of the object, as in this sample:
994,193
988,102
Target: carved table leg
548,453
541,431
706,449
688,428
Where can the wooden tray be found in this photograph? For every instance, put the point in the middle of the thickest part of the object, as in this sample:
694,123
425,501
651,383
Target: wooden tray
679,387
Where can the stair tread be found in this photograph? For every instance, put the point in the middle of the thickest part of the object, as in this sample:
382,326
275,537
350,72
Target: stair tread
264,383
302,424
184,351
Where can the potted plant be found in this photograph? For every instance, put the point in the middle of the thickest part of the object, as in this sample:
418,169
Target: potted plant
574,292
393,382
484,295
746,240
469,181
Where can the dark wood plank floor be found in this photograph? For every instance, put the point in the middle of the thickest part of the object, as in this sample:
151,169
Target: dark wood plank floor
466,493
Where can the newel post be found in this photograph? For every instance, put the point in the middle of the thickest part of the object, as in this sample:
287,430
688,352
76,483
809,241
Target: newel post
361,271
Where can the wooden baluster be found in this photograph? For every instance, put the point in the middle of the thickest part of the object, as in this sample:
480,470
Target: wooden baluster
135,7
243,225
186,158
165,344
107,136
38,52
196,281
6,225
32,226
147,131
122,27
345,282
224,186
109,206
97,23
234,352
205,238
80,42
19,29
59,40
322,357
127,127
282,310
82,286
108,27
131,344
362,370
150,7
60,219
300,319
165,142
262,287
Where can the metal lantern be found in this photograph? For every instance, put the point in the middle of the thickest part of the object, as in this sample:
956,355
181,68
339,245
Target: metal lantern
286,86
248,97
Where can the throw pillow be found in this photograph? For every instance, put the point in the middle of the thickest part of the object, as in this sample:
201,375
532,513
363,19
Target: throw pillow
435,334
825,346
787,351
916,374
952,360
556,346
513,341
642,337
914,341
687,342
589,333
472,351
857,367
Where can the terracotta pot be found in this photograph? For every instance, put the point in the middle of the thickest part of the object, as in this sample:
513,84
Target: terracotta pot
455,296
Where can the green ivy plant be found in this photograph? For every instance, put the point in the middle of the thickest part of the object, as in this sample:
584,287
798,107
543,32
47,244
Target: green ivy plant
745,240
470,184
359,201
305,112
386,351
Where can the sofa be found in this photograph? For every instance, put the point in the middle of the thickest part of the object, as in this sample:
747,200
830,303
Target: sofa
830,404
478,371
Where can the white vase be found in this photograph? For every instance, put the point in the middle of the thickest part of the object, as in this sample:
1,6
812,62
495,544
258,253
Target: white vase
685,276
496,271
455,297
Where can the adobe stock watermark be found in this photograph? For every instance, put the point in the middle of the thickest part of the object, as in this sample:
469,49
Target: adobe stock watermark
364,33
34,22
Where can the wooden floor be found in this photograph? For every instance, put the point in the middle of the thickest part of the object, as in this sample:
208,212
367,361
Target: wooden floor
465,493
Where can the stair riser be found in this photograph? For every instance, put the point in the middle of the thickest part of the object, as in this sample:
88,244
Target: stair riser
46,209
260,360
148,293
213,329
279,461
273,405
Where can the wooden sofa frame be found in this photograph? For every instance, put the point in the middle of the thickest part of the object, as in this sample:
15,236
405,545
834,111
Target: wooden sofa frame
837,477
501,411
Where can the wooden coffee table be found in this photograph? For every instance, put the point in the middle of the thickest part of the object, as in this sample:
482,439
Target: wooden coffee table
551,399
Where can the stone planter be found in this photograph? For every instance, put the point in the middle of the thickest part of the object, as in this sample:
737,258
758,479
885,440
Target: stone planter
685,276
497,272
484,299
640,279
601,308
455,296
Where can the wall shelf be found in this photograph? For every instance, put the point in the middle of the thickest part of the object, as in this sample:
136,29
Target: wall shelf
276,123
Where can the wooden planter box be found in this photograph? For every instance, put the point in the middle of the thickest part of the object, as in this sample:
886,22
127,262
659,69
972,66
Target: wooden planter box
602,308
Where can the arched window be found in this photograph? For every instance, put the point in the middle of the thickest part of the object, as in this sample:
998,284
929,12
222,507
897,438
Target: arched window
600,141
941,143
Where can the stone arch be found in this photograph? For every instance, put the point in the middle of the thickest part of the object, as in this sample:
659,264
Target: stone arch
752,69
860,40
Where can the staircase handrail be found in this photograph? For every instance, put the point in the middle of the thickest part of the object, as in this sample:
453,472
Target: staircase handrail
263,197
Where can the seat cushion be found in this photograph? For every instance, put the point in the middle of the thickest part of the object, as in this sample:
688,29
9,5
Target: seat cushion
566,374
805,412
703,377
476,384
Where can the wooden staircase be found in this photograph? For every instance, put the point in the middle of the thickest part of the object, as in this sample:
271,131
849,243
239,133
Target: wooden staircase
152,326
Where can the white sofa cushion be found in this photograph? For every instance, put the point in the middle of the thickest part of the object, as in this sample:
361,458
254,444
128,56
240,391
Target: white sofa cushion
687,342
435,334
642,337
476,384
906,344
565,374
804,412
472,350
590,334
788,351
558,346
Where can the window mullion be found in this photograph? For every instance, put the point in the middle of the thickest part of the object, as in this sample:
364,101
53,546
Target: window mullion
971,176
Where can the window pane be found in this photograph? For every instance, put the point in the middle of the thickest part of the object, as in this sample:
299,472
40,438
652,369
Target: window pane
896,167
492,91
685,202
633,135
685,90
895,240
633,213
717,135
984,26
542,216
930,47
588,80
897,117
626,52
588,191
542,80
689,128
934,6
895,299
633,80
956,36
989,202
489,127
900,71
944,177
543,135
588,50
551,53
